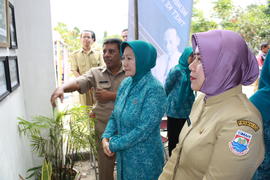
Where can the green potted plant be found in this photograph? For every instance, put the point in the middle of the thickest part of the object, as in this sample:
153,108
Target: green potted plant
59,140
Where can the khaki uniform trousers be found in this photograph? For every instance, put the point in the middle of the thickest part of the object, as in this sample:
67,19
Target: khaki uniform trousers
87,99
105,163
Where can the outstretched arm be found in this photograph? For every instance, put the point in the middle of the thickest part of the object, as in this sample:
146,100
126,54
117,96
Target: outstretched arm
59,92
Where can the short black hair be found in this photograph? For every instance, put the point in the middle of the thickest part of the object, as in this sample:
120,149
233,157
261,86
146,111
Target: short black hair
264,45
113,41
92,32
125,30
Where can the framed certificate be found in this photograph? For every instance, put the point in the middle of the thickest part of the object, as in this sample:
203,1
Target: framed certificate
12,27
4,82
13,72
4,26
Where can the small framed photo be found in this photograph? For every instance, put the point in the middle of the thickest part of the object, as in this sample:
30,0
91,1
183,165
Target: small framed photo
13,72
12,27
4,26
4,79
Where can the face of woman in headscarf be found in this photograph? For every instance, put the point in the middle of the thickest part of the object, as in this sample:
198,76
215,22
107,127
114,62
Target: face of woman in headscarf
129,62
226,60
190,59
196,75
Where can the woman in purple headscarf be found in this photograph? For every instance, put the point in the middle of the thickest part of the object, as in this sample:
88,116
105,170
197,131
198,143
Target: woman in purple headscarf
223,138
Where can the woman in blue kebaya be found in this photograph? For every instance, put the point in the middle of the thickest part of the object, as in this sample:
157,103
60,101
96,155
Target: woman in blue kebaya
261,99
180,97
133,130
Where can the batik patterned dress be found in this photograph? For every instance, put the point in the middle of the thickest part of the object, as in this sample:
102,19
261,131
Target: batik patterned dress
133,128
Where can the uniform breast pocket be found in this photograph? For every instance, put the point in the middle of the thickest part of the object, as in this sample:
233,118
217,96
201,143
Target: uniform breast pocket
95,61
82,66
104,84
81,62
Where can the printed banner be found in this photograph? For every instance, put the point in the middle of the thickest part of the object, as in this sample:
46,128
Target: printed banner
166,25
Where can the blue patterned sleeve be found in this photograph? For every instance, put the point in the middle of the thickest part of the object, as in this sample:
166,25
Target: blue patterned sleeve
171,80
152,111
111,127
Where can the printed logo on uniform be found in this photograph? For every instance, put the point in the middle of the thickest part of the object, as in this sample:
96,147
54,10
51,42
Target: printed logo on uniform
250,124
239,144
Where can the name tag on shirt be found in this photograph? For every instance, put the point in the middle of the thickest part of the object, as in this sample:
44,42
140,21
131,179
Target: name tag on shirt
102,82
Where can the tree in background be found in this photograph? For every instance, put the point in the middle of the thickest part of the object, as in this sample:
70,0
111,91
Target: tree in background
252,23
71,37
199,22
227,13
106,36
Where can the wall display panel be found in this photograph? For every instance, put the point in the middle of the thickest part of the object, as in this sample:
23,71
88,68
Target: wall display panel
13,72
12,27
4,79
4,26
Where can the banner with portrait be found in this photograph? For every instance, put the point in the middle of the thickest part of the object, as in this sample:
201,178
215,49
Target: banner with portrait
166,25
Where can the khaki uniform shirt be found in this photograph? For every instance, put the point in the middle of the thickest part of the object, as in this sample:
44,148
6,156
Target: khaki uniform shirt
102,78
81,62
211,146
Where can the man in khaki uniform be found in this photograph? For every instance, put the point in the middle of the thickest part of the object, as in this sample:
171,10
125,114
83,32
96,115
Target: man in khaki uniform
84,59
105,80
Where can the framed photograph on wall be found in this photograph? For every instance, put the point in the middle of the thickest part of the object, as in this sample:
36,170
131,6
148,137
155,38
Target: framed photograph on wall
13,72
4,26
4,79
12,27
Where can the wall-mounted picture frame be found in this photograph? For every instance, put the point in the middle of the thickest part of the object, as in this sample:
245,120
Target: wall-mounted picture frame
13,72
12,27
4,79
4,25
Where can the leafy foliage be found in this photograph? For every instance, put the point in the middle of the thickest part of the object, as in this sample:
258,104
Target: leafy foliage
200,23
252,23
59,139
46,171
70,37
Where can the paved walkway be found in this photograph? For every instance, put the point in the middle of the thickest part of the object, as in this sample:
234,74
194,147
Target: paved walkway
87,172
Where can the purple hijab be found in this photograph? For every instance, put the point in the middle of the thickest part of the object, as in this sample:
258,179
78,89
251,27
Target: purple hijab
226,59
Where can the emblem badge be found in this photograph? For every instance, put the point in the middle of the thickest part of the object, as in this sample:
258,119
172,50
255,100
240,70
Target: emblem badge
250,124
239,144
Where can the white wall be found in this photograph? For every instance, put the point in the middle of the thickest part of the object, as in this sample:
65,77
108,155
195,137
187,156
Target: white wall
37,81
35,54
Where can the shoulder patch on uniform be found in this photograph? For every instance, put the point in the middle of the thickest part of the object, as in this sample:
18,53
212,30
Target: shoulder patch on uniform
239,144
248,123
